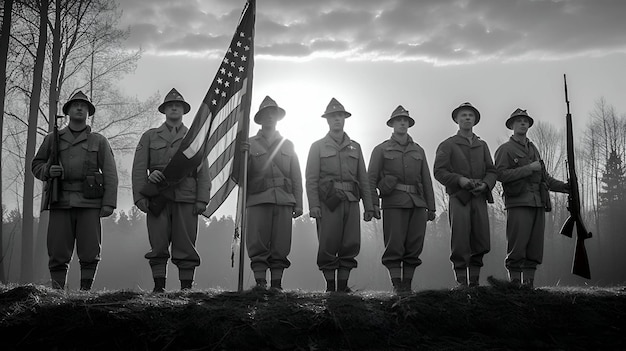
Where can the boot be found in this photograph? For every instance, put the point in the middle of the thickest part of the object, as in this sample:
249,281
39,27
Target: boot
185,284
397,285
276,284
342,286
261,283
330,285
474,276
159,285
515,277
59,285
406,285
529,283
85,284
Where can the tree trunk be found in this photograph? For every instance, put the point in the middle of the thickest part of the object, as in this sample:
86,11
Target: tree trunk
31,141
4,51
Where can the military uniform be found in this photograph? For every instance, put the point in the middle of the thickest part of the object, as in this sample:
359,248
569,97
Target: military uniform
75,218
336,176
177,223
274,192
401,174
526,199
458,157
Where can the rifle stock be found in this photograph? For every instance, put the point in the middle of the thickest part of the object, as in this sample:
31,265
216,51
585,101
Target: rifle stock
54,188
568,227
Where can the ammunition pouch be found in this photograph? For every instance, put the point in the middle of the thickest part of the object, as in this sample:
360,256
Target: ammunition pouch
333,193
93,186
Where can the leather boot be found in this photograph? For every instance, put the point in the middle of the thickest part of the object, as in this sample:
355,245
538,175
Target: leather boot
186,284
276,284
342,286
397,285
330,285
159,285
406,285
261,284
85,284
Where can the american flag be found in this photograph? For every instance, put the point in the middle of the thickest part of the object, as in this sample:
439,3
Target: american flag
223,118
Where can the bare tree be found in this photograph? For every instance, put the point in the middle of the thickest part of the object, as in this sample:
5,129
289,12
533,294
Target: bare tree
7,10
33,114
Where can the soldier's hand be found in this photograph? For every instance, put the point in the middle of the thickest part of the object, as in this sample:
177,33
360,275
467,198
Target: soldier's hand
142,205
466,183
480,187
431,215
199,208
156,177
368,215
55,171
106,211
377,212
245,146
315,212
297,212
535,166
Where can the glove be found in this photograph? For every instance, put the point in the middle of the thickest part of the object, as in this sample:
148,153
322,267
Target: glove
297,212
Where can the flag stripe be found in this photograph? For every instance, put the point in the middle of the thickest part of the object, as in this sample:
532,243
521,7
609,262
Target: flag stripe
221,159
222,177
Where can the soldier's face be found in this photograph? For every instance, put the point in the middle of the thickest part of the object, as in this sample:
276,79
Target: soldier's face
466,119
336,122
520,125
269,120
174,110
78,111
400,125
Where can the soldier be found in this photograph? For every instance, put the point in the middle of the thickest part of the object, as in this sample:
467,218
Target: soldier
274,197
336,180
526,187
177,223
399,169
89,182
463,164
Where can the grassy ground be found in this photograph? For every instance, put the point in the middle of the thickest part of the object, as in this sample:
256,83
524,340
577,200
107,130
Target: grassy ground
496,317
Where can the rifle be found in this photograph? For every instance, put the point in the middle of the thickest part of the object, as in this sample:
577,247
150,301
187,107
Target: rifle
580,265
54,188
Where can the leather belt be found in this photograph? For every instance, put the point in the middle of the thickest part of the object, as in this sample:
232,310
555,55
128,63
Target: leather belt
406,188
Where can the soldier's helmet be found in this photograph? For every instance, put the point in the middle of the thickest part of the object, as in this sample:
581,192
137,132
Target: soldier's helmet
268,106
174,96
79,96
334,107
467,106
518,113
400,112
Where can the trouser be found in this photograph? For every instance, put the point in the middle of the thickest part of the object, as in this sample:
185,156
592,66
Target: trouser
470,232
524,235
403,234
339,235
66,226
176,225
269,236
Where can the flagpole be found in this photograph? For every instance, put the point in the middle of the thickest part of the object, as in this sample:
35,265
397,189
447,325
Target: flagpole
246,154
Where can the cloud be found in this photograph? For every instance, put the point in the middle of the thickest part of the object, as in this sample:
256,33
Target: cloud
440,31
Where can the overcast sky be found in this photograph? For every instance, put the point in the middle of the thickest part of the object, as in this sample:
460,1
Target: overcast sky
373,55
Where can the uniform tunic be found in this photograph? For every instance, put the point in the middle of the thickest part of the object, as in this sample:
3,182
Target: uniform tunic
75,218
177,224
456,157
340,166
405,205
524,203
274,191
